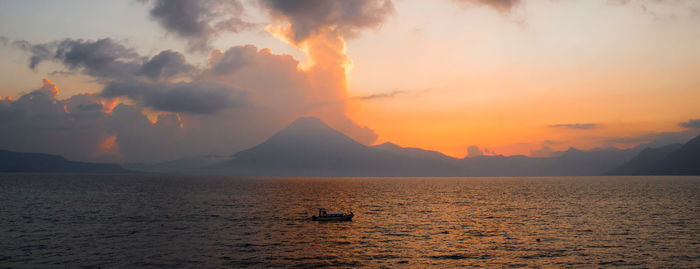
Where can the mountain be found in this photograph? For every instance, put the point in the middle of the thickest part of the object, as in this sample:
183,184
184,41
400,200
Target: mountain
413,152
684,161
669,160
572,162
308,147
645,161
18,162
179,166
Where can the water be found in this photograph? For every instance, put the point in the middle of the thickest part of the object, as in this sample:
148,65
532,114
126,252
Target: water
130,221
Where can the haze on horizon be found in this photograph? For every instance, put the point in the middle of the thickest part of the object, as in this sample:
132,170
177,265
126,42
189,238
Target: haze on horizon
156,80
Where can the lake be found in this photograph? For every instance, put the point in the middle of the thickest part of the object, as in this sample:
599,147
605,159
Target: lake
181,221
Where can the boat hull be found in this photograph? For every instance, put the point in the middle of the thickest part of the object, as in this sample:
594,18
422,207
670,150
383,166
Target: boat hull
333,218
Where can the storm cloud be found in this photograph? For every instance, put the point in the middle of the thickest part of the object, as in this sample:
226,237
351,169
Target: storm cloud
346,18
198,21
166,64
192,97
106,59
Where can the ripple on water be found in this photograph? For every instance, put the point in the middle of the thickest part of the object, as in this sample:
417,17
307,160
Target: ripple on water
157,221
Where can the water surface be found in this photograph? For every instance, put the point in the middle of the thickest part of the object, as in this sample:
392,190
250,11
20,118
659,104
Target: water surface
159,221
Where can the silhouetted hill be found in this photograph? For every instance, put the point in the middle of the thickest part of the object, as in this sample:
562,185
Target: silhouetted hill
413,152
669,160
683,161
572,162
18,162
179,166
308,147
646,161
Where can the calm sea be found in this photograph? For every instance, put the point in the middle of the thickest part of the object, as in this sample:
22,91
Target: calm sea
158,221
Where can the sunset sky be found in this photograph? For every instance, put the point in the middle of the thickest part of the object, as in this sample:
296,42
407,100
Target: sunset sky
149,81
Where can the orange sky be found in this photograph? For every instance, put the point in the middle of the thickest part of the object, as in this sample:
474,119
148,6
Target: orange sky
443,76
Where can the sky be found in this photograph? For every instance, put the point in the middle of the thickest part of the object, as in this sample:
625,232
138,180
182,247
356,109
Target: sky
151,80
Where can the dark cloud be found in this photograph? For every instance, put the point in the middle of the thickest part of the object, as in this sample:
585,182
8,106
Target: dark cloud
577,126
690,124
105,59
166,64
500,5
233,58
191,97
78,127
39,52
309,17
242,96
198,21
38,122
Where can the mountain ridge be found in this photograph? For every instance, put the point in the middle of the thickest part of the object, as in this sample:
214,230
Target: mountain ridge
309,147
674,159
22,162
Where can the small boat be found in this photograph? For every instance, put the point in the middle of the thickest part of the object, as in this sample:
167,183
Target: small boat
332,216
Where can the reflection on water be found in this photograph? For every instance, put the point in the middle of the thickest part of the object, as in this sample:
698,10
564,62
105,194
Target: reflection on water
127,221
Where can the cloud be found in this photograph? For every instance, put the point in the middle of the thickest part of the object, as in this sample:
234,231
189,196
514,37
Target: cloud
101,58
172,109
551,142
690,124
311,17
49,87
232,59
663,9
243,96
473,151
500,5
320,28
39,52
166,64
576,126
106,59
80,128
381,95
4,40
277,83
198,21
191,97
38,122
